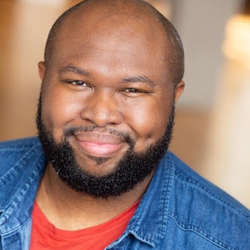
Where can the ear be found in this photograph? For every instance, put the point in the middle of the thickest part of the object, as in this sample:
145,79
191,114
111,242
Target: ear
41,69
179,90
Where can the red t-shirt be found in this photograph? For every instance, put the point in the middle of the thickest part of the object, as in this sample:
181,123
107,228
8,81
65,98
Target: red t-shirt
46,236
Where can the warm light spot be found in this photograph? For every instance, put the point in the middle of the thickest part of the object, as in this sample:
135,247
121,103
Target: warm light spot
237,43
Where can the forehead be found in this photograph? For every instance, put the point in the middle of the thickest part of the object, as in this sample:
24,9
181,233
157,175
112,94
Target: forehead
114,38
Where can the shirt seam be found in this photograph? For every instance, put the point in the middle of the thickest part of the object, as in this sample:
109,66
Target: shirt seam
6,146
20,192
211,194
200,232
15,170
165,198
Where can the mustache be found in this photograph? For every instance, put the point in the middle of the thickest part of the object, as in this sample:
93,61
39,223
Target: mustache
81,129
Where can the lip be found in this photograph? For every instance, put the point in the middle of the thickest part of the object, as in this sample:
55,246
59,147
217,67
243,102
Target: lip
99,144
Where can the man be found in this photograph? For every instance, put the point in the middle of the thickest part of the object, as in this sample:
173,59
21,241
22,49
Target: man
100,175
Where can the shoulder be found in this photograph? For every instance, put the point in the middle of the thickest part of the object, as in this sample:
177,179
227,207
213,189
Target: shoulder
11,152
201,207
19,143
22,161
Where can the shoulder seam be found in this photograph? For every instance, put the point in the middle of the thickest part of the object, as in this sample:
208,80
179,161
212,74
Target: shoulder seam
209,193
18,144
202,233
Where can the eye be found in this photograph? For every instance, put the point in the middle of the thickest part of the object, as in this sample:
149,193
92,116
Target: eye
133,90
79,83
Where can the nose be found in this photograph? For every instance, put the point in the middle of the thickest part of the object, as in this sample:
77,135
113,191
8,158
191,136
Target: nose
102,109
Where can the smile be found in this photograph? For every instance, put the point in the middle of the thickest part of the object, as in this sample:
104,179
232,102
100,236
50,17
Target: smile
99,144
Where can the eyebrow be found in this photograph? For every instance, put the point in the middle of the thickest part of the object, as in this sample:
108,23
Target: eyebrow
74,69
141,78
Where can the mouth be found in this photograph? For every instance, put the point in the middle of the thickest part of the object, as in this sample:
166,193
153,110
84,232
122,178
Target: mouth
99,144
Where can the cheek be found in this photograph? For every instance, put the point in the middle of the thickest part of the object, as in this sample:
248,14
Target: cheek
149,119
58,109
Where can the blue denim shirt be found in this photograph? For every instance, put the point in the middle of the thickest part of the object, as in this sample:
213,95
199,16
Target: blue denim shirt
179,210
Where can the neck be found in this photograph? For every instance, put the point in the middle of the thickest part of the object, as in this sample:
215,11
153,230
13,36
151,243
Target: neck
70,210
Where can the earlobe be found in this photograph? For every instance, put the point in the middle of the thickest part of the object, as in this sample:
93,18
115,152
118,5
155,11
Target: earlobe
179,90
41,69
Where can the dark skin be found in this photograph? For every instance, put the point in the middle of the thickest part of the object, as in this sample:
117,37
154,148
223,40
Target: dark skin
111,74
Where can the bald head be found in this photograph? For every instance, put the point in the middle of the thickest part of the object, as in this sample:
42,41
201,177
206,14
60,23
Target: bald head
93,15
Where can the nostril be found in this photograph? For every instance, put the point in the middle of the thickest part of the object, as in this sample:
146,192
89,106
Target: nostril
102,112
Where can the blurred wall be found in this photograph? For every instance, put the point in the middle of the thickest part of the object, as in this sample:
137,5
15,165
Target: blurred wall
201,25
228,158
24,27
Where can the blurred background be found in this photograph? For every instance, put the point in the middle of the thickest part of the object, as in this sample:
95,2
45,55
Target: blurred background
212,132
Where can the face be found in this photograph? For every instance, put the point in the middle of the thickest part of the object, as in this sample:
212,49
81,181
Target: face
107,95
129,171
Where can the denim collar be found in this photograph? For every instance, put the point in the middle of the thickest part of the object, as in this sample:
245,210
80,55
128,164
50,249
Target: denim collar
149,223
23,178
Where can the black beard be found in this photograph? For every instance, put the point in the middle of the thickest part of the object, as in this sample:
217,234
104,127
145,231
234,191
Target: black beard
131,170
